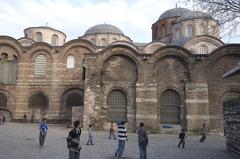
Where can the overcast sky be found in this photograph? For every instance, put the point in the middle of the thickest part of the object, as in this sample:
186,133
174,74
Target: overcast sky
74,17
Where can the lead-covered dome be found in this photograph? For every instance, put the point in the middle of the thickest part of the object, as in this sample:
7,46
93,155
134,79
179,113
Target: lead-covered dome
195,15
175,12
103,29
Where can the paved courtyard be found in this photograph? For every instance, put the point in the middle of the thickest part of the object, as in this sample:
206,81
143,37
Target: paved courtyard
20,141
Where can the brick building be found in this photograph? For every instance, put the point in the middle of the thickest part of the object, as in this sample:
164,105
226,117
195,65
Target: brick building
103,76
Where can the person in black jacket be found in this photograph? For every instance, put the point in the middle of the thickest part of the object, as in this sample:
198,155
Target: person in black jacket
182,136
73,141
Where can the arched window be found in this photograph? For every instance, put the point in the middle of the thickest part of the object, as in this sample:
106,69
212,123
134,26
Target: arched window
189,31
4,57
38,36
117,106
170,107
203,49
3,100
40,65
103,42
70,62
55,40
38,100
163,30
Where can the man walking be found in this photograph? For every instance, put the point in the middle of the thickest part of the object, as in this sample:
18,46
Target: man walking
122,137
73,141
43,132
142,141
203,132
182,136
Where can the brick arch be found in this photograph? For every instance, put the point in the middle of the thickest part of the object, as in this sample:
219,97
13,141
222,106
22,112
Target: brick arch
11,99
224,50
41,93
181,53
119,50
78,43
32,53
109,71
181,93
69,91
177,64
222,64
13,43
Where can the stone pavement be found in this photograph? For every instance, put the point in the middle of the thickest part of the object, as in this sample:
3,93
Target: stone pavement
20,141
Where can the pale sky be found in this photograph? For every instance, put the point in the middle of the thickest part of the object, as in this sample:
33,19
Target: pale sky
74,17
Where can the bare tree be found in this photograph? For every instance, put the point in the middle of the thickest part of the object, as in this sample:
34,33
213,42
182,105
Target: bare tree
227,12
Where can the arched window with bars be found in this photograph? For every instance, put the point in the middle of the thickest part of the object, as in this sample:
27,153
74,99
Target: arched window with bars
40,65
170,107
117,106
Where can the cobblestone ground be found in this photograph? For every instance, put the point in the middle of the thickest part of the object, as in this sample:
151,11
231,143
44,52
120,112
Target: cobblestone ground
20,141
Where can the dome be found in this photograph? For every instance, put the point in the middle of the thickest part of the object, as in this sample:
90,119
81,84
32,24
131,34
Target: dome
195,15
103,29
175,12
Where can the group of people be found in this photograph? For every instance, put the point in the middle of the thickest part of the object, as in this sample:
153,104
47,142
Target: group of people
73,139
183,135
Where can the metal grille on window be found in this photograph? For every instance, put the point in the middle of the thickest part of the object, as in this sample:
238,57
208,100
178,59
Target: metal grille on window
40,65
170,107
3,100
38,101
117,106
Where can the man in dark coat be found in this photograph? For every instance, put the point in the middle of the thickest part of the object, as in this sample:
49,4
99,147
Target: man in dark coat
73,141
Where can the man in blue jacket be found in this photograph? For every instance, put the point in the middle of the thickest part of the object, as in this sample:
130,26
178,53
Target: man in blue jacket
43,132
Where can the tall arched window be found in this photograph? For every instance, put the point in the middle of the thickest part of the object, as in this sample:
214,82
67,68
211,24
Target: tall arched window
38,36
170,107
117,106
203,49
40,65
3,100
38,100
55,40
189,31
70,62
163,30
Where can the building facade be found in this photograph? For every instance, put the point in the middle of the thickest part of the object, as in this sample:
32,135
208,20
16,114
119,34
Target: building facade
103,76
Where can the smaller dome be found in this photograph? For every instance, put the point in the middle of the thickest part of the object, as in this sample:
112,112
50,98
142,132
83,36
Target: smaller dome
175,12
103,29
195,15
